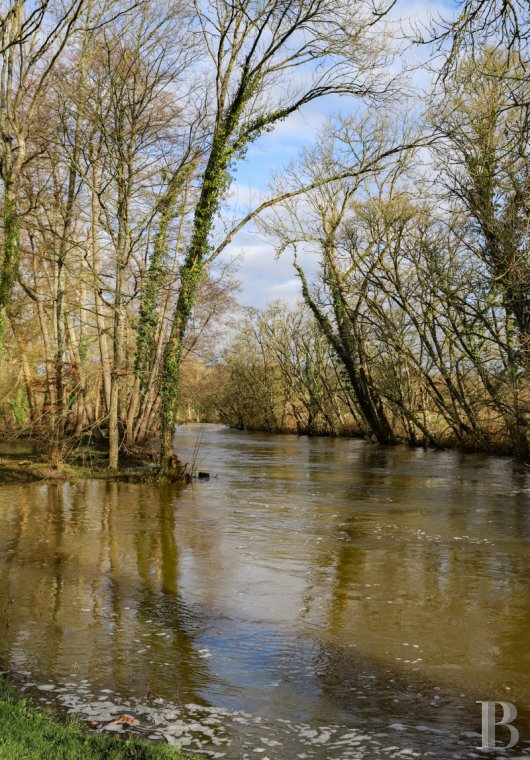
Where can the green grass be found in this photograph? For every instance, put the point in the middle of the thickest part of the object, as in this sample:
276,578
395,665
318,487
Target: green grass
30,734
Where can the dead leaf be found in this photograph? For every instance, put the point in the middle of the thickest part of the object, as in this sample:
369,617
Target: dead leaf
127,720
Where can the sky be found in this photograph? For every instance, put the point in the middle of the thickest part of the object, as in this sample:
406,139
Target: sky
263,277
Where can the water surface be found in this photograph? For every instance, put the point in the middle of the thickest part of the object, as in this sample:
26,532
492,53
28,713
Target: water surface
317,598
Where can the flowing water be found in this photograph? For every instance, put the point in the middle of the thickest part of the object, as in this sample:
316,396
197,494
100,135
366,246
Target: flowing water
315,598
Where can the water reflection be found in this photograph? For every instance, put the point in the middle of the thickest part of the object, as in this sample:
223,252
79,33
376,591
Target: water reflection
316,585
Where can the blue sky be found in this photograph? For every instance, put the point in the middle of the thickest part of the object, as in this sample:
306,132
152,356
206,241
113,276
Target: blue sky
263,278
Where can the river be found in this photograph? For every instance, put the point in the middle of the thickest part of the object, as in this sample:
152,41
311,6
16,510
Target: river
314,599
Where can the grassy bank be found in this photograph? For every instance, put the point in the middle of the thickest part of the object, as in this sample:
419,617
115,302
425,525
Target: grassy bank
30,734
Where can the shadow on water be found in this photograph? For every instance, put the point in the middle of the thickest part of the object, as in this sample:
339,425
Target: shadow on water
319,598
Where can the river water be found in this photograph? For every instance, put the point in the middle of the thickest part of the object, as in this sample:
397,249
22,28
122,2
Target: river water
315,598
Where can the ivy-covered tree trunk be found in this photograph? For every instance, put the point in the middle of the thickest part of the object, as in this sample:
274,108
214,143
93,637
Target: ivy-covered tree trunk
11,252
350,351
172,365
254,49
213,186
152,297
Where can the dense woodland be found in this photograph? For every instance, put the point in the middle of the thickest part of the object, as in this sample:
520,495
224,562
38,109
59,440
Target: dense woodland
121,129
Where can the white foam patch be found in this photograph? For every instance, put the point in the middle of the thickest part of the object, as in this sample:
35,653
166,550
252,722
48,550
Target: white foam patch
216,732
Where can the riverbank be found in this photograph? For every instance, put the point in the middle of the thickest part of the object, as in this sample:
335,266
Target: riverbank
31,471
446,441
32,734
30,466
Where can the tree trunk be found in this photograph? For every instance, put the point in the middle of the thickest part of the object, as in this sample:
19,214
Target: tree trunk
98,303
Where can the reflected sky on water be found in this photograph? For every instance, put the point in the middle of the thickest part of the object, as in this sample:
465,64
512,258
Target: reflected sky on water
316,598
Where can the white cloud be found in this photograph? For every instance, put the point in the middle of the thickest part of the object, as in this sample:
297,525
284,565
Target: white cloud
263,277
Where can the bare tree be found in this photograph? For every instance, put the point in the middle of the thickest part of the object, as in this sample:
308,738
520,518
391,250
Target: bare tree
485,161
269,60
32,41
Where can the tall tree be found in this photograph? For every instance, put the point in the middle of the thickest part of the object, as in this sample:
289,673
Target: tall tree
270,58
485,160
32,40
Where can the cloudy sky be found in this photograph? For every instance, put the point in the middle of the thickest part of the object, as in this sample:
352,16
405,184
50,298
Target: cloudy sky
262,277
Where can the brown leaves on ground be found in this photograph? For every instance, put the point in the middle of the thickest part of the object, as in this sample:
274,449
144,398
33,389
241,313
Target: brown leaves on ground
127,720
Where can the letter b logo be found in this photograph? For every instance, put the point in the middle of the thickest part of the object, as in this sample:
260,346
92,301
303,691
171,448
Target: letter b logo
509,714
